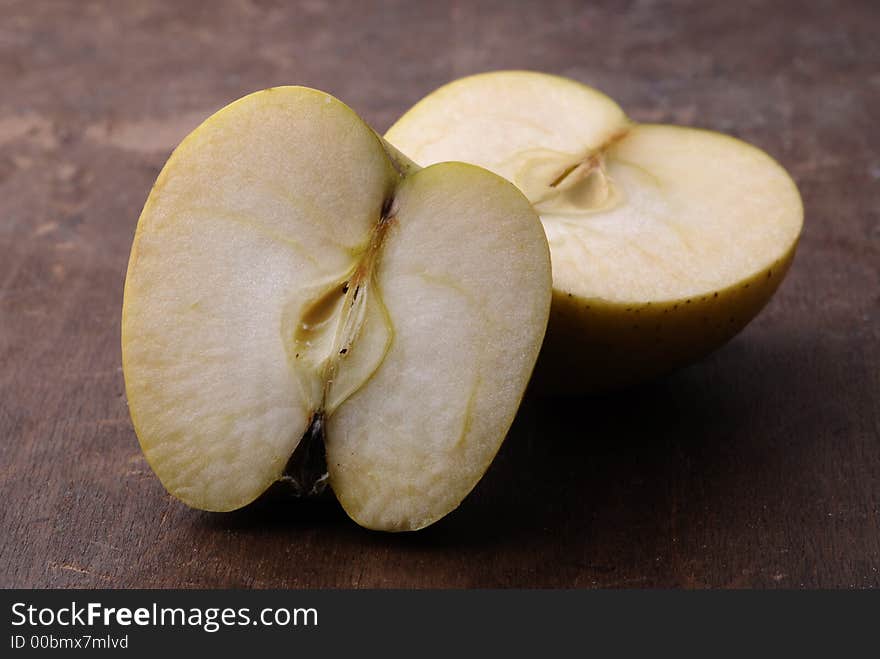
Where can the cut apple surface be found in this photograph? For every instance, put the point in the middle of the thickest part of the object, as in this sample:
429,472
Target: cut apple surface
665,240
301,300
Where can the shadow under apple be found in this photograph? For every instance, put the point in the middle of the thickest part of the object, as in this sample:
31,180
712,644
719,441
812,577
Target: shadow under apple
696,460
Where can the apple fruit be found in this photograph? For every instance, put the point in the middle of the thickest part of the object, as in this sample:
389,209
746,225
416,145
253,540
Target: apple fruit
666,241
303,304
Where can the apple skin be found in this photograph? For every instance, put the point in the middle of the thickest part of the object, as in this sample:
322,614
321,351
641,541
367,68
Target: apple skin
596,344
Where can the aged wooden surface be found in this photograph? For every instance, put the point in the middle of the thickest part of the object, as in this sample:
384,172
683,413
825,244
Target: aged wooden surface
758,467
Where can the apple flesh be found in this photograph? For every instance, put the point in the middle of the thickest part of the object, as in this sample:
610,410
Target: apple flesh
303,304
666,241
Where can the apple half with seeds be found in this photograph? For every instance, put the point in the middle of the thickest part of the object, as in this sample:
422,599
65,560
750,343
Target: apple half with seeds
666,241
305,305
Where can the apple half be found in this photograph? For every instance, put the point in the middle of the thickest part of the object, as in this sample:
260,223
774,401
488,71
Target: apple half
666,241
303,304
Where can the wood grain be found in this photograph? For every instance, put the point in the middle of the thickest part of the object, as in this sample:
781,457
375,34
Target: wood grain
759,467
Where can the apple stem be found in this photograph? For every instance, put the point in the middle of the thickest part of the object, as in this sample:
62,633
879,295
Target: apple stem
306,470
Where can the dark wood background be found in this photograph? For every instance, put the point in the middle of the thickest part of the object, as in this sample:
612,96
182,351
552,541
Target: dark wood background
759,467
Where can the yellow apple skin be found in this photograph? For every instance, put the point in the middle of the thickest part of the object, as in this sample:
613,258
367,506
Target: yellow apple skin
596,345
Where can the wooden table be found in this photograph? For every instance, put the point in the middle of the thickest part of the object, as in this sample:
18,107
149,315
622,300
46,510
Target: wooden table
759,467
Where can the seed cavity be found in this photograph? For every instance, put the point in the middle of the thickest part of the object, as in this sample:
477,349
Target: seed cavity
565,183
325,334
